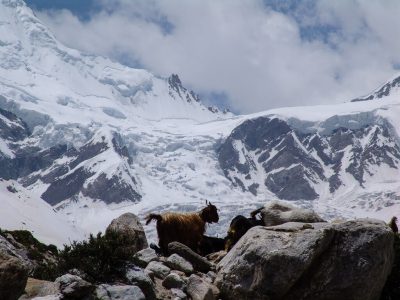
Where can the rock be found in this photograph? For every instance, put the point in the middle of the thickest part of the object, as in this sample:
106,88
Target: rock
211,275
144,257
178,294
74,287
216,257
138,277
129,225
278,212
40,288
177,262
13,276
119,292
173,281
349,260
199,289
159,269
198,262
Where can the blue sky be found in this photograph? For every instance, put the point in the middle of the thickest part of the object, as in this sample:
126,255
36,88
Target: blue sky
251,55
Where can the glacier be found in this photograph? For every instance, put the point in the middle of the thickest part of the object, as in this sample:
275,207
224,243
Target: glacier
124,140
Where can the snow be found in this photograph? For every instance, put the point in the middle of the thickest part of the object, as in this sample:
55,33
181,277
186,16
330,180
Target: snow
20,210
70,97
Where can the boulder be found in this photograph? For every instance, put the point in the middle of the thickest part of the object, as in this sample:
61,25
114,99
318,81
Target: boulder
348,260
178,294
159,269
144,257
199,289
74,287
173,281
118,292
278,212
128,225
39,288
138,277
198,262
176,262
13,276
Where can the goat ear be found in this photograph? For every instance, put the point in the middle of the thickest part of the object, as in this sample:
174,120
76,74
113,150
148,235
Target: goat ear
207,202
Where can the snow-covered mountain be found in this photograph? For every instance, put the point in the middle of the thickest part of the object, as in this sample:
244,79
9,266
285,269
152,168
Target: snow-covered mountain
84,139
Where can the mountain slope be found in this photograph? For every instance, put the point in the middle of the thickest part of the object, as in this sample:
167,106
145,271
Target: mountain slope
92,139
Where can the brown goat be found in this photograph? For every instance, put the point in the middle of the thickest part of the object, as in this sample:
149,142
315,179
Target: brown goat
186,228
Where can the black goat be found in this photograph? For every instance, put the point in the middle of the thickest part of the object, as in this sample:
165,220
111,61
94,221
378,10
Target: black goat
238,227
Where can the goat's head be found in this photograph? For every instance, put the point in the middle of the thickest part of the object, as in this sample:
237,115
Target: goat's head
210,213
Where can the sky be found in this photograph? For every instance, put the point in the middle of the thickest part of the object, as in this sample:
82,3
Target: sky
248,55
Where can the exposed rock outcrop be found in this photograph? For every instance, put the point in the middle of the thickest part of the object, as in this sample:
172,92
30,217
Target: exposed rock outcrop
129,225
348,260
13,272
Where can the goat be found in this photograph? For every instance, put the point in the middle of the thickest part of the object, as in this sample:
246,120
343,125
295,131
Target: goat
393,225
277,212
210,244
238,227
186,228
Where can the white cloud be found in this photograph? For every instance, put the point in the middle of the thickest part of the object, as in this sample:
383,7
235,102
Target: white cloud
253,54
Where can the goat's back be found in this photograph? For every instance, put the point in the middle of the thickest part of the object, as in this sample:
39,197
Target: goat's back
186,228
276,213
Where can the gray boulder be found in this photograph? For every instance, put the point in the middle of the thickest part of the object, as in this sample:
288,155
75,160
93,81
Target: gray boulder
173,281
176,262
119,292
199,289
198,262
144,257
278,212
178,294
138,277
348,260
129,226
159,269
13,276
74,287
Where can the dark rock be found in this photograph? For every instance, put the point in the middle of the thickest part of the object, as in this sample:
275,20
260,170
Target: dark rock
13,276
198,262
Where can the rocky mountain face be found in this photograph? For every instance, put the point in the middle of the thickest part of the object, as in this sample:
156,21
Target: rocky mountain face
270,153
89,139
66,171
385,90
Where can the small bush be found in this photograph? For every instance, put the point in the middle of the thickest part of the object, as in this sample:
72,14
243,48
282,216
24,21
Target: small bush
102,258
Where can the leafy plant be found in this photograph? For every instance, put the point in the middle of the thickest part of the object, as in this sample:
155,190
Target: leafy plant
102,258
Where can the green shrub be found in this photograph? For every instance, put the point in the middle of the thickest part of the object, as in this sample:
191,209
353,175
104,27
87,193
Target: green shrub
391,291
102,258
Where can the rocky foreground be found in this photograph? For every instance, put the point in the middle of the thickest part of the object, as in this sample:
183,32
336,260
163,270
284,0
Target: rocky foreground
342,260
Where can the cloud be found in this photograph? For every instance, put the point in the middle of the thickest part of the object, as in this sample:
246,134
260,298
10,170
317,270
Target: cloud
256,53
